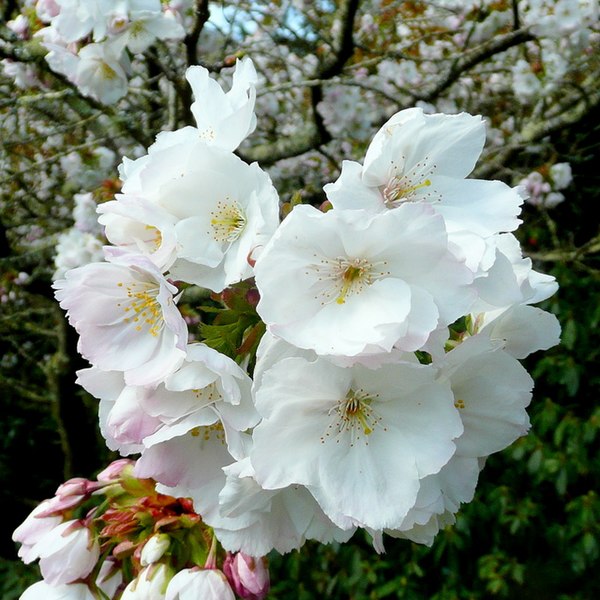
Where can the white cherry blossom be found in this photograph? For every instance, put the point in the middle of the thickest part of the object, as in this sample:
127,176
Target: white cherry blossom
360,439
418,157
352,283
68,591
221,209
255,521
224,119
126,317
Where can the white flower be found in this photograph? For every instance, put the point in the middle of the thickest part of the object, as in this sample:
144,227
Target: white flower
561,175
416,157
75,248
491,392
522,328
351,283
144,27
84,213
188,428
359,439
69,591
526,85
510,278
255,521
135,226
101,73
222,209
67,553
126,318
154,549
192,584
439,499
206,386
224,119
46,10
110,577
75,19
413,146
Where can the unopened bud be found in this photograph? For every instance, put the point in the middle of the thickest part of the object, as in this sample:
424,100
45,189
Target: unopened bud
115,470
154,549
248,576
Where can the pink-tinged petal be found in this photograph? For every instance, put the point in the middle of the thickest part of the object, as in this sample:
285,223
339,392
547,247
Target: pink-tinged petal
126,318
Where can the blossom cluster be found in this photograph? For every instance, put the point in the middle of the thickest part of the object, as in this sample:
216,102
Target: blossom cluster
91,42
378,336
116,537
544,187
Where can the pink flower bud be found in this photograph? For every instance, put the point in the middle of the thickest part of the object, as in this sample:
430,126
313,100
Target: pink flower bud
248,576
114,470
76,488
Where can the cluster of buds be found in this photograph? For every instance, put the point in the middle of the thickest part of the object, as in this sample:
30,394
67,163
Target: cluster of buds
117,538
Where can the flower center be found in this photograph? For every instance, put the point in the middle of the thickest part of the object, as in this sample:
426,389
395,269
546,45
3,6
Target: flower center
156,240
137,28
355,415
340,278
142,307
208,134
408,186
107,72
227,221
401,189
208,394
210,432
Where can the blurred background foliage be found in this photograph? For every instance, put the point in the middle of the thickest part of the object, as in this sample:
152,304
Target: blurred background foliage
533,528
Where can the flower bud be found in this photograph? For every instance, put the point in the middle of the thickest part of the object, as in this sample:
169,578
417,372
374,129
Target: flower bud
150,584
248,576
114,470
75,490
154,548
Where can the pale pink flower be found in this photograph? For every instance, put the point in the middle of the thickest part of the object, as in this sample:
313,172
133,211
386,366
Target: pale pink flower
67,553
36,525
126,317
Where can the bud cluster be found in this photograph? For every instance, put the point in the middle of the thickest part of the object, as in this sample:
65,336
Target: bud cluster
118,538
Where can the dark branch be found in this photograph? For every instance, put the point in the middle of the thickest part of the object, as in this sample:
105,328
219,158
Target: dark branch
202,14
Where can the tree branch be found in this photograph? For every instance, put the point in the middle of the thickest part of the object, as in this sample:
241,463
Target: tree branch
471,59
202,14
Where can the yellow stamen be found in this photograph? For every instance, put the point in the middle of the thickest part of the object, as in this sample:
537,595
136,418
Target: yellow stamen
228,222
398,189
143,305
351,275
